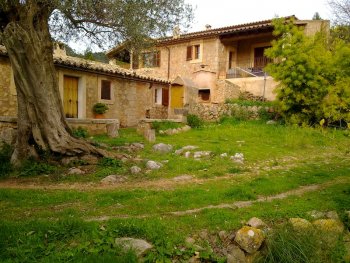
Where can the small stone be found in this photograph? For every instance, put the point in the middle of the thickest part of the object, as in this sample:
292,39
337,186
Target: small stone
223,155
140,246
329,225
75,170
300,224
201,154
137,146
204,234
238,158
153,165
256,223
236,255
162,148
186,128
190,241
187,154
271,122
332,215
112,179
161,132
316,214
135,169
223,236
249,238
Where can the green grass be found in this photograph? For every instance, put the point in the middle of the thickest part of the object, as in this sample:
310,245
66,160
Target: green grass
48,225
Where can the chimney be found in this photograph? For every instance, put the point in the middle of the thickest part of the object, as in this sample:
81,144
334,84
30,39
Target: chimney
59,50
207,27
176,32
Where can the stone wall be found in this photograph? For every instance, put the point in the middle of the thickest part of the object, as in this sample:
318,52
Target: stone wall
213,112
130,102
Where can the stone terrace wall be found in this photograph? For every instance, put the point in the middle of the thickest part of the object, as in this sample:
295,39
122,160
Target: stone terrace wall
213,112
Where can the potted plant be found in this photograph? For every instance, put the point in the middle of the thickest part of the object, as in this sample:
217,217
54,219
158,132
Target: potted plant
99,110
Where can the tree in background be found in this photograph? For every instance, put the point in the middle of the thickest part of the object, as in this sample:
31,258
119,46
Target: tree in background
316,16
312,75
26,30
341,13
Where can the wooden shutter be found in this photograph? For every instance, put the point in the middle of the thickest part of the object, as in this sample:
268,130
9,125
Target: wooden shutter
189,53
165,97
157,59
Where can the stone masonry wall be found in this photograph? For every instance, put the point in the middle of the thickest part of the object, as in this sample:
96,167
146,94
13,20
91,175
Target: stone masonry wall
213,112
8,97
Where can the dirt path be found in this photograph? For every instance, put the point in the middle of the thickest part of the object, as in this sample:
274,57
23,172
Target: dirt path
236,205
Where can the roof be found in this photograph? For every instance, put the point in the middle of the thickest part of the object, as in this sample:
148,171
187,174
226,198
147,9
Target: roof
253,26
98,67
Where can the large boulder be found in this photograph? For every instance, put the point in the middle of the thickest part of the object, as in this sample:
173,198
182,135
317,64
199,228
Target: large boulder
249,238
139,246
162,148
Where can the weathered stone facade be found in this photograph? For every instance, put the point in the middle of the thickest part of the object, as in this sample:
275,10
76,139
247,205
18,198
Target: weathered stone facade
131,96
214,112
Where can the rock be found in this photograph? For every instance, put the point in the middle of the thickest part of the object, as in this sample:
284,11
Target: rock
249,238
185,148
223,236
300,224
68,160
153,165
162,148
75,170
135,169
8,136
150,135
316,214
332,215
329,225
187,154
112,130
161,132
236,255
238,158
223,155
137,146
256,223
90,159
140,246
112,179
190,241
184,177
204,234
201,154
186,128
271,122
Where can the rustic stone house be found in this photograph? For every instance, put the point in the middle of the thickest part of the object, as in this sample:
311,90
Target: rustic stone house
129,96
220,62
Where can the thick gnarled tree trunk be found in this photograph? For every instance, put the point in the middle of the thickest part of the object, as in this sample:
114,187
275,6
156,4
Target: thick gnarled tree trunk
41,122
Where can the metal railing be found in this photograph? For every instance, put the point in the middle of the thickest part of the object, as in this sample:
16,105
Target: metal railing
248,68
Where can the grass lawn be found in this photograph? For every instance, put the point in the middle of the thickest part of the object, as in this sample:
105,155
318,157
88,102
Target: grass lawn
74,218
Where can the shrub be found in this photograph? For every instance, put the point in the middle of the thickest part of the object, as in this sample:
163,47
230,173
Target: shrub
110,162
5,159
194,121
32,168
165,125
100,108
80,132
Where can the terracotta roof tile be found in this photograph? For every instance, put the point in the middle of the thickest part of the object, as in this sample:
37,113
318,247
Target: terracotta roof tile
84,64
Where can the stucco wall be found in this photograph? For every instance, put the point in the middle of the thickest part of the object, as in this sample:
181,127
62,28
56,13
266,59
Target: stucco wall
255,85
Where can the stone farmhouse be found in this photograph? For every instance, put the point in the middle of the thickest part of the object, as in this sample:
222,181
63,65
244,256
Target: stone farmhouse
217,63
83,83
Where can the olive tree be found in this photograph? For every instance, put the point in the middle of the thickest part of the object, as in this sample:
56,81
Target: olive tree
27,28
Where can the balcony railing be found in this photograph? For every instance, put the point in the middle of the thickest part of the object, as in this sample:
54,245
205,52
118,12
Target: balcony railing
248,68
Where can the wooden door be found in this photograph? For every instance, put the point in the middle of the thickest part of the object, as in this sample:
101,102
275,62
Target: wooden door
70,96
177,96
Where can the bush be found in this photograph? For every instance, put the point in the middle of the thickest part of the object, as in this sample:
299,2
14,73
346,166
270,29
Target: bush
32,168
194,121
80,132
110,162
100,108
5,159
165,125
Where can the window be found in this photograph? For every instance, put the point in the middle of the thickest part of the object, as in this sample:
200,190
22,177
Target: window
193,52
106,90
161,96
151,59
204,94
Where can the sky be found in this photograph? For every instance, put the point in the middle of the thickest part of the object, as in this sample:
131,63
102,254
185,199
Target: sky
219,13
